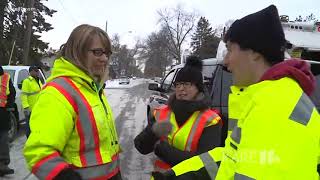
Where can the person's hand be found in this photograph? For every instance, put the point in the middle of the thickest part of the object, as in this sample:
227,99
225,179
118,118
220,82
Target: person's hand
161,129
161,148
26,112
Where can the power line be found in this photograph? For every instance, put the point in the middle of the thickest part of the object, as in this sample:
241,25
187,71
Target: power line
68,12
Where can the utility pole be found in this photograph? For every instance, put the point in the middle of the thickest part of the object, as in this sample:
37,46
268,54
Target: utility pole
27,35
106,26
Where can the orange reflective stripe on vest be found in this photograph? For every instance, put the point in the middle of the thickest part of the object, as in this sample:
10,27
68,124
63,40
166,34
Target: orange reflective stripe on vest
163,114
104,171
199,124
190,137
89,153
3,89
49,166
85,123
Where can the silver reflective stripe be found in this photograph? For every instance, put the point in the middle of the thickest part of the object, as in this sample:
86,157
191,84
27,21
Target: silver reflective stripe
29,94
194,129
210,165
236,134
98,171
211,118
47,167
84,118
303,110
232,123
242,177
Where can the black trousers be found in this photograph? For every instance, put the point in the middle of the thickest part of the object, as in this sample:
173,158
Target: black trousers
4,150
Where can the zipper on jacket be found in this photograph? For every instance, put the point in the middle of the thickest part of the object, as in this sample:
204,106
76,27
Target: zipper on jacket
114,140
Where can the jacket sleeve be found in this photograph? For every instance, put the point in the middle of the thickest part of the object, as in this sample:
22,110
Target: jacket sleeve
12,95
24,91
145,141
203,166
209,139
51,124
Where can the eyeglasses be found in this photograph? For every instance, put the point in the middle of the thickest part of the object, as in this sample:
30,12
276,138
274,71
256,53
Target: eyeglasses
99,52
184,84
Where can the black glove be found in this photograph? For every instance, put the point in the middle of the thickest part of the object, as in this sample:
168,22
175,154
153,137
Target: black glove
159,176
68,174
161,148
167,175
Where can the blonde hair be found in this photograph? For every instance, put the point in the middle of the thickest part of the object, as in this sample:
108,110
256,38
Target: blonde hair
78,43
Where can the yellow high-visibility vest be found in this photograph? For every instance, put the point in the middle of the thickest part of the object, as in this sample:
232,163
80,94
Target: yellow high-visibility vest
30,92
72,126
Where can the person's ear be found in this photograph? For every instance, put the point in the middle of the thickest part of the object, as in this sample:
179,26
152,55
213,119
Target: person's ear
254,56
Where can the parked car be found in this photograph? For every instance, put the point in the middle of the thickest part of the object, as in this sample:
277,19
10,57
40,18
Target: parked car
18,74
124,80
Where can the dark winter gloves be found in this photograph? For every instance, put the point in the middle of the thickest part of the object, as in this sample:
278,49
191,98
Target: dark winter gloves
169,175
161,148
161,129
159,176
68,174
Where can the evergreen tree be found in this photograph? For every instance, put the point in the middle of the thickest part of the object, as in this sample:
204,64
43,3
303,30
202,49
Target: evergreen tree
12,28
204,42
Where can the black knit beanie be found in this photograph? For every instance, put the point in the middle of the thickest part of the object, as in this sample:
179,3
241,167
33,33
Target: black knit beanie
191,72
1,71
261,32
33,68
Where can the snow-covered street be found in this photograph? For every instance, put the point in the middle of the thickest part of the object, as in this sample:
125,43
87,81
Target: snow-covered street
128,103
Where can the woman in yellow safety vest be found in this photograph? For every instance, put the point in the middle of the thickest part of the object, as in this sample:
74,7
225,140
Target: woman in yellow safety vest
73,134
187,126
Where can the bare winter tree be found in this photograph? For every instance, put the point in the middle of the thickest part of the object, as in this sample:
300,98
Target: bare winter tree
155,51
179,24
122,59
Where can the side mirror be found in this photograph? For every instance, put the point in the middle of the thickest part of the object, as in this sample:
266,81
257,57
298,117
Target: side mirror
20,85
153,86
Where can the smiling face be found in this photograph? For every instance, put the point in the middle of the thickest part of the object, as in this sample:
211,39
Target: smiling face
186,91
89,48
97,57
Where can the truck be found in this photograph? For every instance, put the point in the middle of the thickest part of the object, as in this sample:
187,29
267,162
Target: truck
17,75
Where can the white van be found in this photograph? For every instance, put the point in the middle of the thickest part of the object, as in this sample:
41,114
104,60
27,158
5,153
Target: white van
18,74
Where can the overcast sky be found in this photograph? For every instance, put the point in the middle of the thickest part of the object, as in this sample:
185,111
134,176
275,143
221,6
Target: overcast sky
140,16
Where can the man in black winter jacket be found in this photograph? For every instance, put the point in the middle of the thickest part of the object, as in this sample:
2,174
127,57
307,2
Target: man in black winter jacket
4,128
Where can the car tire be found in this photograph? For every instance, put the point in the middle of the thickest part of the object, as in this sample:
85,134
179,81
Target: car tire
13,131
